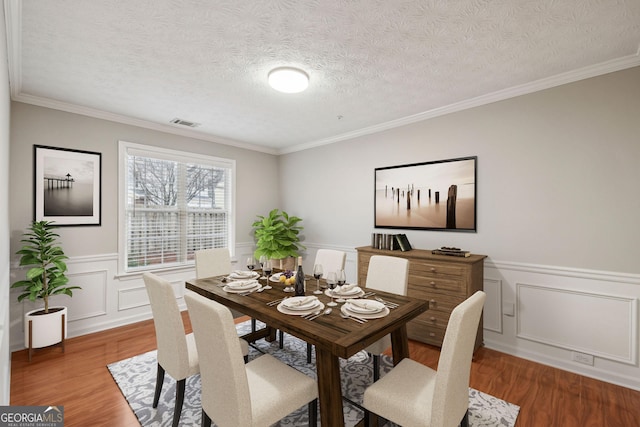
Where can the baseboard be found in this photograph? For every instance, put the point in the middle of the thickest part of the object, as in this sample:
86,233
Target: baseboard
544,359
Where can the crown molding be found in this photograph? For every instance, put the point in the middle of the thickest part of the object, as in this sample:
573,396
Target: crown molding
501,95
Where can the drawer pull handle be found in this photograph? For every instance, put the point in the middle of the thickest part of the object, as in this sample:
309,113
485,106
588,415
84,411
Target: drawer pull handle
433,302
433,319
433,284
431,334
433,270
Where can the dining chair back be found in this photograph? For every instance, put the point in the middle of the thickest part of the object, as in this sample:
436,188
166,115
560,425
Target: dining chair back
216,262
412,394
258,393
212,262
389,274
331,260
454,364
177,352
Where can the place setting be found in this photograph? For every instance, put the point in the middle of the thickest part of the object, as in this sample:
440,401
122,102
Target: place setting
364,309
300,306
241,286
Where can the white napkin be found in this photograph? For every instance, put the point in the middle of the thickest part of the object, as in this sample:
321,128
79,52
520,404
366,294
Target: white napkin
242,274
345,289
363,304
301,302
242,284
366,305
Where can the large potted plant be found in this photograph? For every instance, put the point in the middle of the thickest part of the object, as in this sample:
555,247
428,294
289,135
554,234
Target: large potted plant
45,277
277,236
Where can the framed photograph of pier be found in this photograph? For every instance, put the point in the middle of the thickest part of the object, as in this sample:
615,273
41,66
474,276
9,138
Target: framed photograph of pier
438,195
67,186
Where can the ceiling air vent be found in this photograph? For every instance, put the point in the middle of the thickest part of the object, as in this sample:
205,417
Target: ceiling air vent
184,123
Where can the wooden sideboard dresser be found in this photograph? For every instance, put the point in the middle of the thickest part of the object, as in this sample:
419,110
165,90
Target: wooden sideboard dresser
444,281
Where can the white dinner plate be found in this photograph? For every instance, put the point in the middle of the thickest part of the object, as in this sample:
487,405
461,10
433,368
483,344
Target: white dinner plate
282,309
240,290
346,310
358,294
364,306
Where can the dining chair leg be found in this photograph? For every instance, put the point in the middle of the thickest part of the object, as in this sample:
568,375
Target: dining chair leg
177,411
376,367
371,419
206,421
246,358
159,381
309,346
253,324
465,420
281,339
313,413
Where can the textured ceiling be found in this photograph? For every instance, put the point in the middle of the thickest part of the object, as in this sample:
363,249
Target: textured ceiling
373,63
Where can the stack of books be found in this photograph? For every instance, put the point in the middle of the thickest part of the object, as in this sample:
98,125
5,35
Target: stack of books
451,252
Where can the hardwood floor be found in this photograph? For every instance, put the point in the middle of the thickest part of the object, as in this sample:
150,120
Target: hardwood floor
80,381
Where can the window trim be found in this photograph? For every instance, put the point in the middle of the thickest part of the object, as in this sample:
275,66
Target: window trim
125,148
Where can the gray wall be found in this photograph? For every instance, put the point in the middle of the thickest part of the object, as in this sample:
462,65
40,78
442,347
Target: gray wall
37,125
558,177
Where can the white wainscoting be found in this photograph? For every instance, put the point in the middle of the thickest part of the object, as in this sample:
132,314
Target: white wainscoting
561,311
596,324
604,304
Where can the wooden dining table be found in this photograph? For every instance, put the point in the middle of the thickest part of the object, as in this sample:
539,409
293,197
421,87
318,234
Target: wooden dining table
334,337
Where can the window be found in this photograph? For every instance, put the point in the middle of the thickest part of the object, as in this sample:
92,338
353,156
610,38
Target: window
172,204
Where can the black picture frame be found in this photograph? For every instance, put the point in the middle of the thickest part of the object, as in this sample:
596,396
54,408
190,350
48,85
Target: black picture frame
437,195
67,186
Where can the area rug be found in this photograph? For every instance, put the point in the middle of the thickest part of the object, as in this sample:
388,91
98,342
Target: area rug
136,378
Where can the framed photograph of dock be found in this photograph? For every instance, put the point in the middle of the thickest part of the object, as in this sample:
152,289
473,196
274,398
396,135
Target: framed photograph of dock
438,195
67,186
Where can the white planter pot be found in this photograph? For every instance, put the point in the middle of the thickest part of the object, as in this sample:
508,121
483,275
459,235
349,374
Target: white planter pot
46,329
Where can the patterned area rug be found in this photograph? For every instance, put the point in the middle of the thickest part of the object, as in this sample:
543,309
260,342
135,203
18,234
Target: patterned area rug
136,378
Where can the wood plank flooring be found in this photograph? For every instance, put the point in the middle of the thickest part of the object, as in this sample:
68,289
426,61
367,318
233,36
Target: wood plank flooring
80,381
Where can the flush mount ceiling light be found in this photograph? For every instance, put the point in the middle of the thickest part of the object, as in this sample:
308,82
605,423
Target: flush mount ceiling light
288,79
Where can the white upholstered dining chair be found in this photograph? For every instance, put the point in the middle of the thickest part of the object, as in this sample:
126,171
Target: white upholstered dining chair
412,394
330,259
234,394
177,352
389,274
216,262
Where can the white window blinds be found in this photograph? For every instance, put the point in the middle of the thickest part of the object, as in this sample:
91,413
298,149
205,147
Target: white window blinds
174,203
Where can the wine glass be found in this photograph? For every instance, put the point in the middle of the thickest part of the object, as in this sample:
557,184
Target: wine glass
267,269
263,258
317,274
331,281
251,263
341,279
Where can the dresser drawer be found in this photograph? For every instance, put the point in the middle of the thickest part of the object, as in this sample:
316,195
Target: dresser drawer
430,334
438,284
428,269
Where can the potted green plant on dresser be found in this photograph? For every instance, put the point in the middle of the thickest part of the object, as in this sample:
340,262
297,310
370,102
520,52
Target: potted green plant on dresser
45,277
278,236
